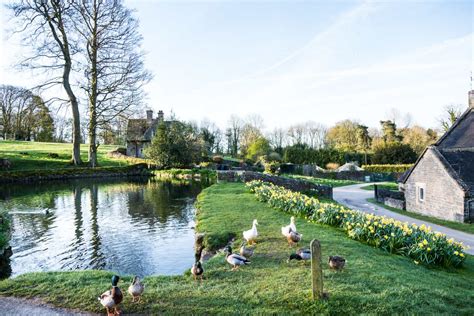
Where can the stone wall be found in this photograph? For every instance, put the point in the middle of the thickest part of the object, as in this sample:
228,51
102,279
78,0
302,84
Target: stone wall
290,184
388,197
443,198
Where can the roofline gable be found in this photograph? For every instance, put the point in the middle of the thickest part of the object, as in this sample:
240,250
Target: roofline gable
458,121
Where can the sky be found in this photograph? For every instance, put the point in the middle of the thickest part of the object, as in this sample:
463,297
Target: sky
294,61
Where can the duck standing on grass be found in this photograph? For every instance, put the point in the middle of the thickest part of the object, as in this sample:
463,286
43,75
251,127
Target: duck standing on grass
285,230
112,298
234,259
302,254
136,289
337,262
251,234
245,251
293,237
197,270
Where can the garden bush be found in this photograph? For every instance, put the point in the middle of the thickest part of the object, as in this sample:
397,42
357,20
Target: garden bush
387,168
416,242
393,153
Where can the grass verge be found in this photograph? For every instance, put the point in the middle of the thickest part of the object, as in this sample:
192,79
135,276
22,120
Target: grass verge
467,228
331,182
386,185
374,282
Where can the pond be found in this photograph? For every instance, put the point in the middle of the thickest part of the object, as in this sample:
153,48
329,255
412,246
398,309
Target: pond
135,227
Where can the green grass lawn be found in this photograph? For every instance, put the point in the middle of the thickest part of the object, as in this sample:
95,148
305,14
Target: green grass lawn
34,155
385,185
468,228
330,182
374,282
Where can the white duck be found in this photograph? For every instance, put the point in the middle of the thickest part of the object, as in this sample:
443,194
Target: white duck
234,259
136,289
251,234
285,230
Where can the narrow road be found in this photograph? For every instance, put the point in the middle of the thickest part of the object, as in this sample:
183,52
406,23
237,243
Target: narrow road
17,306
355,198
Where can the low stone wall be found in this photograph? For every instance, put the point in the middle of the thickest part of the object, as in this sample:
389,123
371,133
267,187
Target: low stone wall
390,198
349,175
290,184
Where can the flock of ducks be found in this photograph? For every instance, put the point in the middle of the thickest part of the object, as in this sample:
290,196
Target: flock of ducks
112,298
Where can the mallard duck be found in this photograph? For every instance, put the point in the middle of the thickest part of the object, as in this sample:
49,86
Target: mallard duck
251,234
337,262
285,230
113,297
197,270
136,289
293,237
245,251
301,254
234,259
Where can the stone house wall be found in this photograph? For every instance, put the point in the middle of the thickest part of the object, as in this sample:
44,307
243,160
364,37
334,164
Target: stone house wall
443,197
290,184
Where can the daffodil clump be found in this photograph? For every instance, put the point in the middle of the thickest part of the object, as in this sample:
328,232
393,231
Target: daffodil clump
416,242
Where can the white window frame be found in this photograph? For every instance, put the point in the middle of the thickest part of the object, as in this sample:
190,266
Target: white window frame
420,187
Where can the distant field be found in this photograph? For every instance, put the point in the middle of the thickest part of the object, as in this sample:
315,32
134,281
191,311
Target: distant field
34,155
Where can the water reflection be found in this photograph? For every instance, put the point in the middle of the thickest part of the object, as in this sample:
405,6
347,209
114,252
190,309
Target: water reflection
138,227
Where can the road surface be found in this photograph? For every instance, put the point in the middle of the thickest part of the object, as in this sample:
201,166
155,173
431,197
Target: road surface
17,306
355,198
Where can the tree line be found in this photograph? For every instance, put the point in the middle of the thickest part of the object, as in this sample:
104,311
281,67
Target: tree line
92,50
179,143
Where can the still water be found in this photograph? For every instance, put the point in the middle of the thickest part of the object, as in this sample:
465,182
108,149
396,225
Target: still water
137,227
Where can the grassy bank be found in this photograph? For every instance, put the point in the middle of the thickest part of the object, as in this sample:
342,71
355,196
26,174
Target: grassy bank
468,228
331,182
385,185
374,281
42,156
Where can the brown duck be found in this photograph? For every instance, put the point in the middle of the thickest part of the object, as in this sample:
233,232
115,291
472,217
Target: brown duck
336,262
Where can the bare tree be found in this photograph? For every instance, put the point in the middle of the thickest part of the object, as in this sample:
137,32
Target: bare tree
296,133
277,138
115,71
315,134
46,26
403,120
234,134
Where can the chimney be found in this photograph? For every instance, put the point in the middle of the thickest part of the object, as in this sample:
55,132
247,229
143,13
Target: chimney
471,99
161,116
149,116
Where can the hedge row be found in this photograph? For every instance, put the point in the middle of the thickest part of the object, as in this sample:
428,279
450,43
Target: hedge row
26,175
387,168
416,242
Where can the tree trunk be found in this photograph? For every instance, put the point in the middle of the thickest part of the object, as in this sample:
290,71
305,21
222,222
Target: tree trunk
93,93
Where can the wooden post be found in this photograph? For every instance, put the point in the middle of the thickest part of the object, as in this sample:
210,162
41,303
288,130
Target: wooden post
316,270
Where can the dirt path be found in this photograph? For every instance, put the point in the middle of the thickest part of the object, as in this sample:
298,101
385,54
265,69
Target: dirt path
356,198
18,306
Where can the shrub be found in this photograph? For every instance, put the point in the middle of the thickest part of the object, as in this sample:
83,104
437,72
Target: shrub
394,153
416,242
332,166
387,168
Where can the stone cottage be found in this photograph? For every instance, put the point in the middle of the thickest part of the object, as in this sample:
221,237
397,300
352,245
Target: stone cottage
441,183
140,133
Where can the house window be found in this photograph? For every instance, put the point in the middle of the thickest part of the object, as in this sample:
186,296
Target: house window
420,192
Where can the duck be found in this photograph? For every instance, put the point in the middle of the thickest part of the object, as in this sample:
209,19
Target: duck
285,230
234,259
245,251
337,262
301,254
293,237
197,270
136,289
251,234
113,297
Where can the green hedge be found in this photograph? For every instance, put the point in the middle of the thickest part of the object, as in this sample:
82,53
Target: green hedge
387,168
7,176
